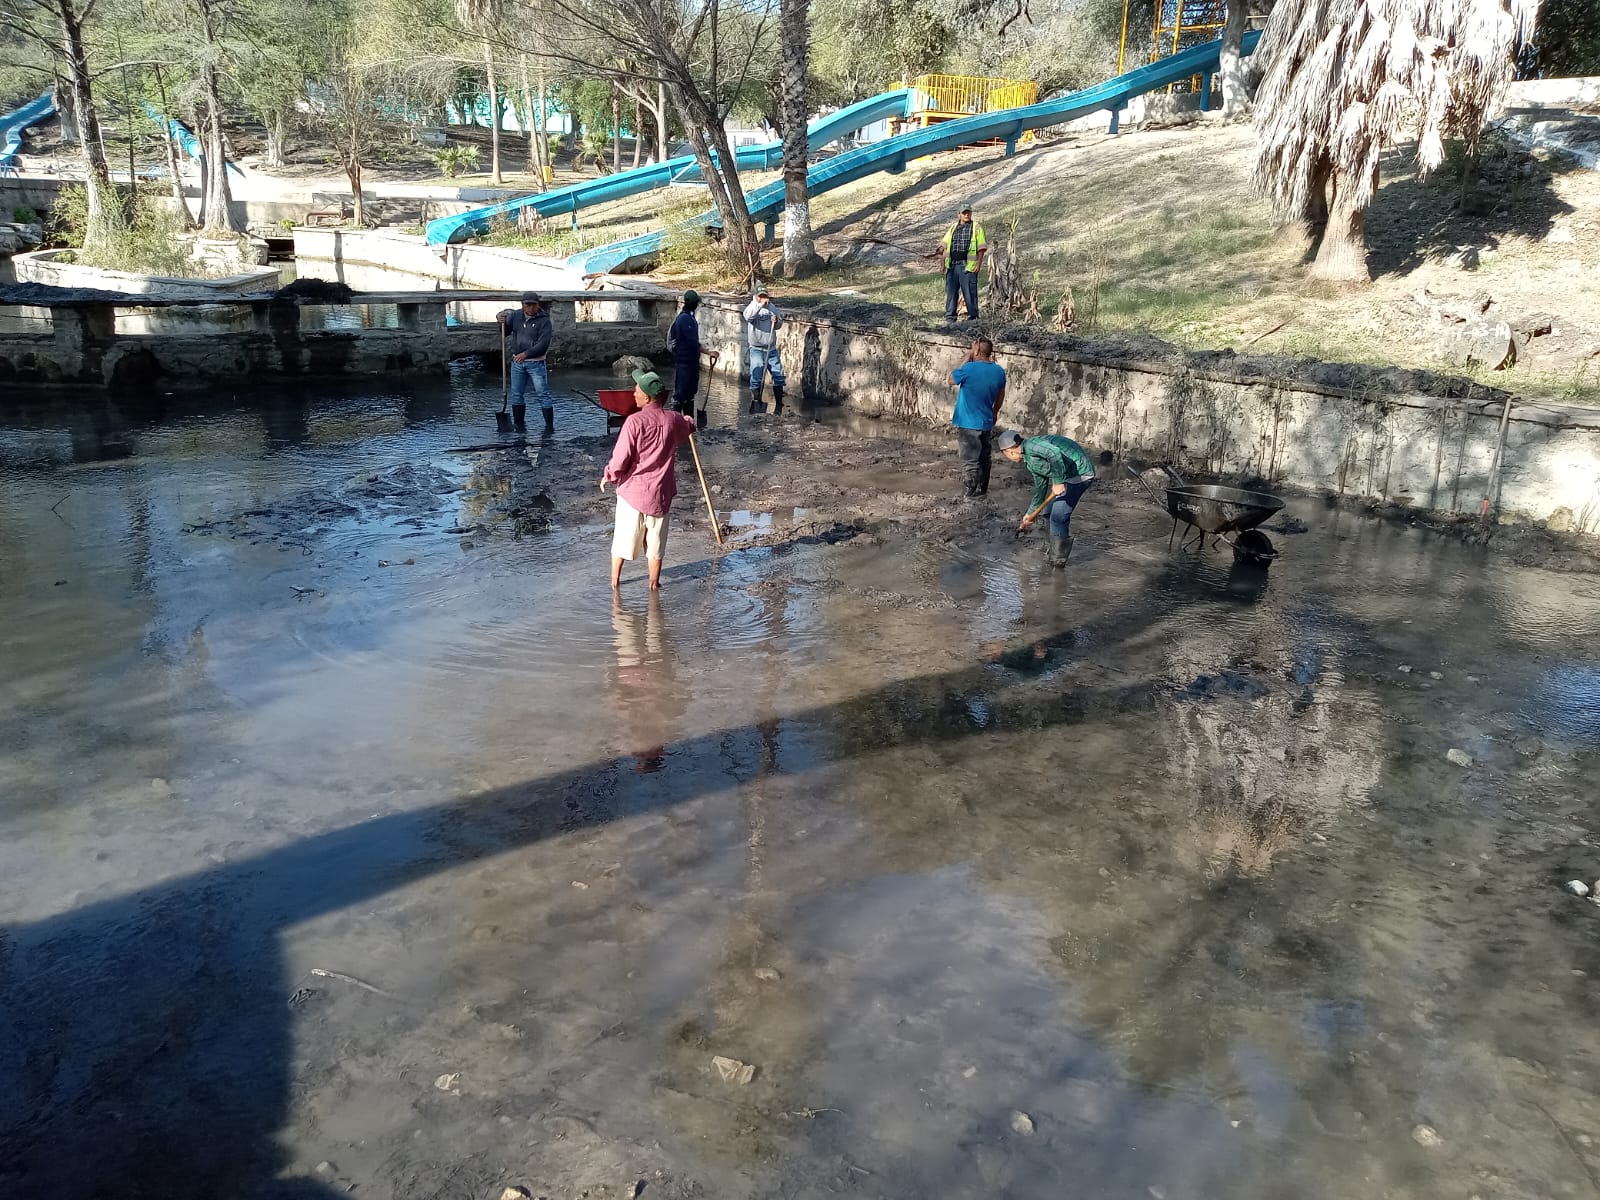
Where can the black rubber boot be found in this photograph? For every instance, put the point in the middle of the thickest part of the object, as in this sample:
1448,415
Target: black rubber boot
777,401
519,416
1059,550
549,420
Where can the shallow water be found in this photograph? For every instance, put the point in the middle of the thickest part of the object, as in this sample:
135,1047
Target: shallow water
1165,856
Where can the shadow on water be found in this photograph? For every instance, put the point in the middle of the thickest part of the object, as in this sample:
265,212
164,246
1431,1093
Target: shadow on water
145,1041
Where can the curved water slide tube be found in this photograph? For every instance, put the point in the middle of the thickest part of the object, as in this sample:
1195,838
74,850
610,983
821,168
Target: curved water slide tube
13,123
892,154
184,136
683,168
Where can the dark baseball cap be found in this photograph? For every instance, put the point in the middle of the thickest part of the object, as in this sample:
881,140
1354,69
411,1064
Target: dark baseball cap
531,298
691,298
1008,439
762,291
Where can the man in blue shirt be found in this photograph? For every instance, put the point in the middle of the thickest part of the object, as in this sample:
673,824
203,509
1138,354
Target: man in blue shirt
683,341
983,390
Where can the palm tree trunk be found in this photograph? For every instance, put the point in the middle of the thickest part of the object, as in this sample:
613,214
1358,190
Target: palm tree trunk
1342,255
1231,70
495,175
799,247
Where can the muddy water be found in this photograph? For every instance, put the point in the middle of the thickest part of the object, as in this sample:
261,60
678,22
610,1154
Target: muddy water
430,877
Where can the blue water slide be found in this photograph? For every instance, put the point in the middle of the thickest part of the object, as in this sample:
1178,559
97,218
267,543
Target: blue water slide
13,123
183,135
684,168
892,154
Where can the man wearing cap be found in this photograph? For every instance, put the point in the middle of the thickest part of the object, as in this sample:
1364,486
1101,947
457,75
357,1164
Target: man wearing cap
762,318
1062,472
683,342
642,468
964,248
983,390
529,332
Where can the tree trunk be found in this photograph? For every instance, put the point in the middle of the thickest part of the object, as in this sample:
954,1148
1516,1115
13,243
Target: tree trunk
661,121
638,133
738,226
219,200
275,130
1231,71
494,115
799,247
1342,256
1315,216
104,215
352,170
219,197
616,130
66,104
170,142
535,138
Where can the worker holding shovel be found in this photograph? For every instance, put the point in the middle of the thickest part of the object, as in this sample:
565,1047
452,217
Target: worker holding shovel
642,468
1062,472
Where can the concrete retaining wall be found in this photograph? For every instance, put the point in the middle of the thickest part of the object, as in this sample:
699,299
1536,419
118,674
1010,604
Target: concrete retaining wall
262,339
1419,450
355,256
44,266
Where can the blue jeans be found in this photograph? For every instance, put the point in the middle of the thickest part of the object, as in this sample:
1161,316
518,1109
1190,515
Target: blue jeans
958,281
762,363
1060,513
525,373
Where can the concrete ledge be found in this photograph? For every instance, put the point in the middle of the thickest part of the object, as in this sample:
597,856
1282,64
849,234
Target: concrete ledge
377,258
1417,446
44,266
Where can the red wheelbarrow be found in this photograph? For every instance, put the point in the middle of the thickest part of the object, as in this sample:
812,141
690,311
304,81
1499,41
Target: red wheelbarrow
617,403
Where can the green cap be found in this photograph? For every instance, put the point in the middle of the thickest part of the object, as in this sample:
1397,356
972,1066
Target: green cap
650,382
691,298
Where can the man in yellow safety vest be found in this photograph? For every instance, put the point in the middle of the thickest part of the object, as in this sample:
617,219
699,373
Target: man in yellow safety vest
964,248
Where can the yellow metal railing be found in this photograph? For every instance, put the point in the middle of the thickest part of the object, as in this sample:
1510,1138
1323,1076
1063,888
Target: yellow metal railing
963,95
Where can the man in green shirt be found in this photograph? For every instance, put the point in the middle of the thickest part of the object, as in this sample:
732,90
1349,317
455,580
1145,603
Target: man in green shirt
1062,472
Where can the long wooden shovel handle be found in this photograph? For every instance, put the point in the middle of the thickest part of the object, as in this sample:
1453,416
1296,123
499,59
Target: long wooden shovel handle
704,490
1043,504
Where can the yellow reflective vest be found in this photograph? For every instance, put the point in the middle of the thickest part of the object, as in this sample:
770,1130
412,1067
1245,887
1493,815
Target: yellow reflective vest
978,242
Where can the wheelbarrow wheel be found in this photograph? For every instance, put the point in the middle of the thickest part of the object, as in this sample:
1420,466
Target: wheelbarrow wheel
1252,548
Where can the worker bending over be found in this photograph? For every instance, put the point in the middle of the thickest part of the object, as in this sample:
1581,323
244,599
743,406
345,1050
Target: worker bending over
1062,472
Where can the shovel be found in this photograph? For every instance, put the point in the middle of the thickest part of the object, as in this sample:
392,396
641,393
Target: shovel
502,419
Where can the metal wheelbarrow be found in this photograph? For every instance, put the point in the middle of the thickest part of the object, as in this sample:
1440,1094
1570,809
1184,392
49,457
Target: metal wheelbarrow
1225,514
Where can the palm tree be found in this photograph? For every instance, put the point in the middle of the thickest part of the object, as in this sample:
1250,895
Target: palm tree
480,17
1345,78
794,32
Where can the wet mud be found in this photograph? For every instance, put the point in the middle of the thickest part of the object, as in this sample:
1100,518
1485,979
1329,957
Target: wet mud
357,840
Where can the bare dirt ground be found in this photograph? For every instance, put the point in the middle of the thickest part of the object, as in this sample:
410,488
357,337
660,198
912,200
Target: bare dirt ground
1161,231
793,480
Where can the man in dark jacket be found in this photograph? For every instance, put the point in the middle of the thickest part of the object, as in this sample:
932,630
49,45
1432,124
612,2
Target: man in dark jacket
683,342
529,332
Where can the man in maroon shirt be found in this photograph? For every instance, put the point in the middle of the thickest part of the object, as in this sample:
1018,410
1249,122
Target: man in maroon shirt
642,468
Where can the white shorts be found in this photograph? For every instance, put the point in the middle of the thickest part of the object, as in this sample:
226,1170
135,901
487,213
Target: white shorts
635,529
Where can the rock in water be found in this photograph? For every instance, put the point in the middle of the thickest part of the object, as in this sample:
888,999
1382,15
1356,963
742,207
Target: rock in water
449,1083
1022,1123
628,364
1460,757
1577,887
308,290
516,1192
1426,1135
732,1070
